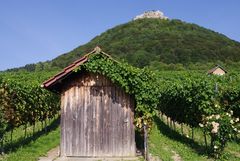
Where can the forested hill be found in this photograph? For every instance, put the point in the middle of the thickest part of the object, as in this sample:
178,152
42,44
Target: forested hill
157,43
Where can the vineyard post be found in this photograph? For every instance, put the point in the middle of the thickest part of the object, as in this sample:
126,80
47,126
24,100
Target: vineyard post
168,122
211,140
145,128
174,125
11,138
161,116
45,127
189,131
34,123
205,137
49,120
182,128
42,124
25,130
216,88
1,146
192,133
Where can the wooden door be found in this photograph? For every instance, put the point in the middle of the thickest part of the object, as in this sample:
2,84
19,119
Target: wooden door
97,119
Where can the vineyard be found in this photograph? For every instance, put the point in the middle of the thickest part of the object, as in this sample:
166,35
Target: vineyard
200,100
211,103
23,103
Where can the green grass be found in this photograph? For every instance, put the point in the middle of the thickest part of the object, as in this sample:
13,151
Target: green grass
164,142
36,148
34,144
18,134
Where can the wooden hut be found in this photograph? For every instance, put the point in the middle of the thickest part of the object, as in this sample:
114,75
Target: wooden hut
97,116
217,70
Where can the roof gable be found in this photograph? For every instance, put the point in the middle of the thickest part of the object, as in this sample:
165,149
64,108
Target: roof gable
215,68
70,68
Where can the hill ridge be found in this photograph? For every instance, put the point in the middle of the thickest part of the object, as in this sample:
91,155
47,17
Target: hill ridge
156,43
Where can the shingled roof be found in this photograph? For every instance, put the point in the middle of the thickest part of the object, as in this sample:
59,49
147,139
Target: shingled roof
70,69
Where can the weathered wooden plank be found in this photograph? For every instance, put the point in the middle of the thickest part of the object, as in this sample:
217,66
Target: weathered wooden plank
65,122
120,120
80,120
67,127
70,121
86,115
63,131
118,123
85,96
113,121
97,135
125,137
93,121
104,101
83,120
77,120
67,112
109,105
107,123
90,124
132,127
62,149
98,132
101,116
128,125
125,122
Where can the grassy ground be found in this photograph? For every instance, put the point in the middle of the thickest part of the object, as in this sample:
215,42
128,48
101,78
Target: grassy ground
36,148
22,135
169,144
34,145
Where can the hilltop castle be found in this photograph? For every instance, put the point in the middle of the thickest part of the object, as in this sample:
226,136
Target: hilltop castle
151,14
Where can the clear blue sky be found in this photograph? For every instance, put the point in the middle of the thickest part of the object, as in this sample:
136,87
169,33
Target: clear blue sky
33,31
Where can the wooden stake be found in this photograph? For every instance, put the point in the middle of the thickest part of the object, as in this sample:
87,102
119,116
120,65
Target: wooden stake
145,128
192,133
205,138
45,127
11,134
1,147
182,128
174,125
25,131
33,128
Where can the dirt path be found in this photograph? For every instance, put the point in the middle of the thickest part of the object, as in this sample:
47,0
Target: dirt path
51,155
235,153
154,158
176,156
97,159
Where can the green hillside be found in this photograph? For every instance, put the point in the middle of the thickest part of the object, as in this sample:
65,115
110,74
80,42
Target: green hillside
157,43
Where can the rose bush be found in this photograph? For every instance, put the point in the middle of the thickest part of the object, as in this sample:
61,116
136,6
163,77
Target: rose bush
222,128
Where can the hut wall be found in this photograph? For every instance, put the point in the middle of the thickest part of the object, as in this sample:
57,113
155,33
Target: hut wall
96,118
